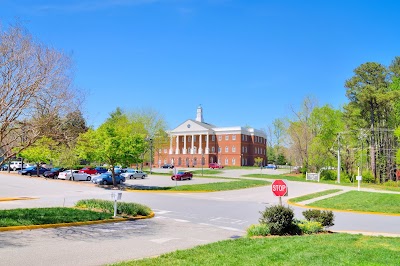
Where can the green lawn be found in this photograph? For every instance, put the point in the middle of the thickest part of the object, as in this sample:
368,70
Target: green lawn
210,187
362,201
39,216
315,195
321,249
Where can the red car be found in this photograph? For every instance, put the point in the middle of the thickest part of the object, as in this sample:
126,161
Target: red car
215,165
182,176
88,170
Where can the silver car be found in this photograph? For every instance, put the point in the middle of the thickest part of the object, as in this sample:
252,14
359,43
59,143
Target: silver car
74,175
133,173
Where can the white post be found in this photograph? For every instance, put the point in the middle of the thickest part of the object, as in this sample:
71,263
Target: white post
338,161
115,207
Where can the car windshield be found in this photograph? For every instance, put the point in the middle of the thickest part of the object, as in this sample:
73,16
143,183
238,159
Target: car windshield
105,175
131,171
30,168
181,173
55,169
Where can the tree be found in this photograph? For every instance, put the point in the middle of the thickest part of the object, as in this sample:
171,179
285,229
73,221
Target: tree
372,102
39,152
35,90
115,142
300,133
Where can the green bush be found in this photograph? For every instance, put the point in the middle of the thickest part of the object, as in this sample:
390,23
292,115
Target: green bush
328,175
258,230
279,219
392,183
123,208
324,217
367,177
310,227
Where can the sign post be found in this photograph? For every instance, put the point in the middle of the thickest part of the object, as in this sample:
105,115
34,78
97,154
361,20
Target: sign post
280,189
116,196
359,178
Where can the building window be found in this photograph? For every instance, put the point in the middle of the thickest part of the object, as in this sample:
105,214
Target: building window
183,139
219,137
255,150
226,161
219,149
233,149
212,149
245,149
189,139
226,149
233,137
213,137
227,137
194,138
233,161
243,137
242,149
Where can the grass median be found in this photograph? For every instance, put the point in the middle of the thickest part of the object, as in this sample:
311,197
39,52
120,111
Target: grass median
85,211
362,201
321,249
314,195
209,187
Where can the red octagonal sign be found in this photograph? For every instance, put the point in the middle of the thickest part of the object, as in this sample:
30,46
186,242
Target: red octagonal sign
279,188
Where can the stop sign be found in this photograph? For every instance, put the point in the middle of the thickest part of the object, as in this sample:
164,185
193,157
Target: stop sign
279,188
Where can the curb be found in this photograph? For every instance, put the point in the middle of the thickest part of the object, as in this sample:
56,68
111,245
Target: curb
17,198
336,210
43,226
165,191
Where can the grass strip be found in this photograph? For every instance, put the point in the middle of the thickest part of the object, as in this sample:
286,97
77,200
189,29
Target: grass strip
315,195
320,249
362,201
210,187
129,209
40,216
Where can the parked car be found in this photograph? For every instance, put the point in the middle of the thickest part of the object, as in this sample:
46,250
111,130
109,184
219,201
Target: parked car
74,175
4,167
169,166
88,170
133,173
215,165
182,176
271,166
32,171
16,165
106,179
100,170
53,173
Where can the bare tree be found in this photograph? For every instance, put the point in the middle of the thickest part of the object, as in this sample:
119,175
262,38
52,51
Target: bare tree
35,90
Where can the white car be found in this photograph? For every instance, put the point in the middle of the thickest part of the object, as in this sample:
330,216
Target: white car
74,175
133,173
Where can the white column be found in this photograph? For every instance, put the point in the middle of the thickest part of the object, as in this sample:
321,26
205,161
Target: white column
170,144
191,151
207,146
177,145
201,144
184,144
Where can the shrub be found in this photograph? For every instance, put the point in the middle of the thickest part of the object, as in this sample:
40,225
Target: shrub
328,175
279,219
392,183
367,177
310,227
258,230
324,217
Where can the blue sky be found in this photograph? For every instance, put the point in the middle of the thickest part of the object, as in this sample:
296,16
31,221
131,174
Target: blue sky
246,62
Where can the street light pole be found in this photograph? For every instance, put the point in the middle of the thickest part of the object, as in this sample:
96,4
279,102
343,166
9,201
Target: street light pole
151,154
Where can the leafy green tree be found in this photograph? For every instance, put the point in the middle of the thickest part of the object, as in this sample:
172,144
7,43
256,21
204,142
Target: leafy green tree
115,142
40,151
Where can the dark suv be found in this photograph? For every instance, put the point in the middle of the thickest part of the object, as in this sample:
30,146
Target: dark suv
169,166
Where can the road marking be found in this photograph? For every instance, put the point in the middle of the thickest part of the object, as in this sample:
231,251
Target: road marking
161,211
228,220
230,228
182,221
162,240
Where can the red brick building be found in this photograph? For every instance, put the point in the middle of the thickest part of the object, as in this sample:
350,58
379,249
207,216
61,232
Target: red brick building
194,140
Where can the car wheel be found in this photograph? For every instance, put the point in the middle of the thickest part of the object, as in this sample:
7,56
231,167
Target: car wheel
142,177
104,182
88,178
29,174
70,178
172,178
130,177
190,178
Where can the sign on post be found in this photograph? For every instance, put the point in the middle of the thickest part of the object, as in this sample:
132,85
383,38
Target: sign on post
279,189
312,176
116,196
